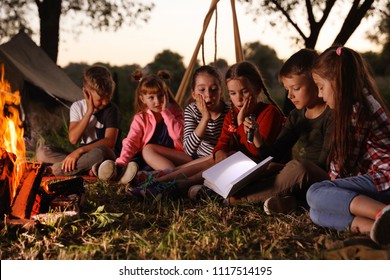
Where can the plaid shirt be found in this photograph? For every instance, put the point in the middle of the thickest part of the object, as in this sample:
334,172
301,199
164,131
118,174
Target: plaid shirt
371,146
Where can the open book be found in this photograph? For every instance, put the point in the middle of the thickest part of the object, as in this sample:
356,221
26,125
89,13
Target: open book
233,173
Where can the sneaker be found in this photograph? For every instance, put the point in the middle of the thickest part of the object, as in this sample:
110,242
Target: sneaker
193,192
94,170
128,173
143,176
155,188
139,191
107,170
135,192
280,204
380,231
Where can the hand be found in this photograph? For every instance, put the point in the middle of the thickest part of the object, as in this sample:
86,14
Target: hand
220,155
165,102
249,124
69,163
89,99
244,111
201,105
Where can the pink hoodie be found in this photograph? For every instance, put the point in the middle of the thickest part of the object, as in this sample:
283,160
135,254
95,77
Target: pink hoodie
143,127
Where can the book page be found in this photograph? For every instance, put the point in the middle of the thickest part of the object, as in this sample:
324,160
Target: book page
249,176
222,174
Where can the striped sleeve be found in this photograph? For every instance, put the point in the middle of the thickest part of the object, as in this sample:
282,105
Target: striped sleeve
191,120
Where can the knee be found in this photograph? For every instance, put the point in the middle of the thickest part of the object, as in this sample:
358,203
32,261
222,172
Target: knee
105,152
148,149
299,167
313,194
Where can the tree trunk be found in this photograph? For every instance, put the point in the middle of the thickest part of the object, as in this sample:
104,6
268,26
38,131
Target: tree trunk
49,14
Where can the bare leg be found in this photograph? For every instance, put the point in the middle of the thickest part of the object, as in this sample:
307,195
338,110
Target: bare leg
364,209
188,171
161,158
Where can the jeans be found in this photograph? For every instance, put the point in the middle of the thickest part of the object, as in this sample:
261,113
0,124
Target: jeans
329,201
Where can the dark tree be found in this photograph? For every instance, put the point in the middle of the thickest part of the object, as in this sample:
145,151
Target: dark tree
307,17
97,14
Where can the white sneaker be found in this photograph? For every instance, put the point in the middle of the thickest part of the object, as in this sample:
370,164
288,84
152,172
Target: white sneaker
107,170
128,172
94,172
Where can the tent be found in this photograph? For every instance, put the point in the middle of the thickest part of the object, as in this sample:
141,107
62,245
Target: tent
25,62
46,90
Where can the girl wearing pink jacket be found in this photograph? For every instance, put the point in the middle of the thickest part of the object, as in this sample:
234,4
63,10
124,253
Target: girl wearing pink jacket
159,121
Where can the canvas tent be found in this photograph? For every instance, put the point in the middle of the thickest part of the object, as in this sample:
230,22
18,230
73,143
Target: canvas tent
46,90
25,62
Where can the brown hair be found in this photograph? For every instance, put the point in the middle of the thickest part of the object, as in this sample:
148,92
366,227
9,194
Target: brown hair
351,78
99,78
151,84
300,63
249,71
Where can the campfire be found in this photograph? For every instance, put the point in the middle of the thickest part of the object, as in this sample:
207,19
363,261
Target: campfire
25,192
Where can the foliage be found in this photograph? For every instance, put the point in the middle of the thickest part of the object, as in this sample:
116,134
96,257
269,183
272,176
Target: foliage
269,64
114,226
380,33
170,61
307,18
99,14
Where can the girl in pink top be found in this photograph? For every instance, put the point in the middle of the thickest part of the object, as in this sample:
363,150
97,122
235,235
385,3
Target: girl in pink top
159,121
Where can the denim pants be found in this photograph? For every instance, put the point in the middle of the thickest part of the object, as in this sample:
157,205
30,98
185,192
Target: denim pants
329,201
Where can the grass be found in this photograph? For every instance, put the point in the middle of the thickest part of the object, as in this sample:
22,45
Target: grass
112,226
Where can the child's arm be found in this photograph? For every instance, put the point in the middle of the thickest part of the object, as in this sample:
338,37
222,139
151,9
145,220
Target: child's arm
110,137
133,143
270,122
76,129
174,120
193,130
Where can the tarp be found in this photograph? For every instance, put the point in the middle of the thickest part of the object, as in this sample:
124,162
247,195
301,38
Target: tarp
25,61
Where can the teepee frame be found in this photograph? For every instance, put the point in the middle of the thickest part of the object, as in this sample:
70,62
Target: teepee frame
237,43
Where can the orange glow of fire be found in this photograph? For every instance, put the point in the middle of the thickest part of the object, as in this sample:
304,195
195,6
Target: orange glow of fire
12,131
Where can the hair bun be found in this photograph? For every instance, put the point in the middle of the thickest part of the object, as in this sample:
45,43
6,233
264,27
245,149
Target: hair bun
137,75
164,75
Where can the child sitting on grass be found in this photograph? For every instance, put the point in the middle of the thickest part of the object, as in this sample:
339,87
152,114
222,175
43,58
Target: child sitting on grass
94,121
245,84
308,129
158,121
356,195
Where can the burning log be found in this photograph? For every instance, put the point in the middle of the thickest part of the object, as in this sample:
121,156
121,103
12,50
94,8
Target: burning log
26,193
6,169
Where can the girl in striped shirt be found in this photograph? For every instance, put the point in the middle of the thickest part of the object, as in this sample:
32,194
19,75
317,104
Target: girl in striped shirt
203,117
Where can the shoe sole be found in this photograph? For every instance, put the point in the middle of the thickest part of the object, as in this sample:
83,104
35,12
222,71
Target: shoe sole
95,169
380,232
193,191
107,170
129,173
281,205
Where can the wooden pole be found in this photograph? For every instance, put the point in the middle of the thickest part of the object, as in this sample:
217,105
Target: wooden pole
186,78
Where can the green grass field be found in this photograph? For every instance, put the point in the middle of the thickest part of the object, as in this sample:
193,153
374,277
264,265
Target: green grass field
112,226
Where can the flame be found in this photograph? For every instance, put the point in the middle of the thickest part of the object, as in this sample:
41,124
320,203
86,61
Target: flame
11,128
